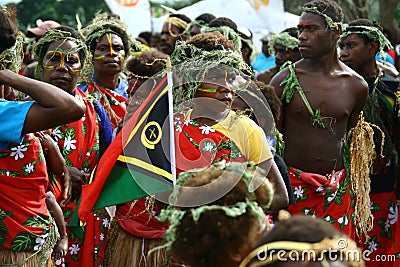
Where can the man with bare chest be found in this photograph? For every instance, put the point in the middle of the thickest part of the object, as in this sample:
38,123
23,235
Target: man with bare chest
322,99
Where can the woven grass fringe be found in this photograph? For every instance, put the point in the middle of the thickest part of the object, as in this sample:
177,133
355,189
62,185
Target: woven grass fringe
126,250
362,150
9,257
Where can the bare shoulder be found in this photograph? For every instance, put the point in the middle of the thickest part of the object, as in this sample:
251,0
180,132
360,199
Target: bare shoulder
279,77
354,80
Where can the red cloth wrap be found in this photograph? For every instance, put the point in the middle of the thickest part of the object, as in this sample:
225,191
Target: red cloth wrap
141,225
325,196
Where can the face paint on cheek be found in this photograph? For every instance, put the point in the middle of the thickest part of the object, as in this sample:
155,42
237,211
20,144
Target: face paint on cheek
120,56
76,71
99,57
207,90
230,85
63,54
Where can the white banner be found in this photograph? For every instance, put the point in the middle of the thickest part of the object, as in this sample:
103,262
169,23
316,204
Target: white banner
135,13
271,12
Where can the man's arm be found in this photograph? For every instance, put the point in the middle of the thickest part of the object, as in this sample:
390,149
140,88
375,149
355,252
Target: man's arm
281,198
275,82
360,87
54,106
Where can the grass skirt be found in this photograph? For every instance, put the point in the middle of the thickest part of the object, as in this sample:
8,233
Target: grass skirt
10,258
126,250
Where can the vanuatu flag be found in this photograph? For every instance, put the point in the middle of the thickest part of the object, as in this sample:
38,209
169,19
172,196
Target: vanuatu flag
138,162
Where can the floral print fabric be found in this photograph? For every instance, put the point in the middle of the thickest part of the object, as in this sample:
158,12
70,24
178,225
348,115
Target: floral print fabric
24,219
324,196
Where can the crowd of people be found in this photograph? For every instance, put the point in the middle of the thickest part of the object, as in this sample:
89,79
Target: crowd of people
289,151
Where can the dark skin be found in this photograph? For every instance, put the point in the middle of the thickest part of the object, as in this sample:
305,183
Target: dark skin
281,56
56,163
266,76
265,48
61,67
330,86
63,70
213,107
360,56
108,60
53,107
195,30
61,247
170,33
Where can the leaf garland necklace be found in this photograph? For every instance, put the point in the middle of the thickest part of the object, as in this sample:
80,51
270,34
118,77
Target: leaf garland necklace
291,84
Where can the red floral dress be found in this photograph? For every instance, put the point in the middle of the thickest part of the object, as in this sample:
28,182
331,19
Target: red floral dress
197,145
24,218
79,144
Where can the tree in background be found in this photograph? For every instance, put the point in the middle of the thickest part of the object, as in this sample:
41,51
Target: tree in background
62,11
65,11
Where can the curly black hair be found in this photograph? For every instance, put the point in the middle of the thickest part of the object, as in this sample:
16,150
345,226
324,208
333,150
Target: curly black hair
211,41
299,228
223,21
328,7
365,22
112,28
205,17
214,229
147,63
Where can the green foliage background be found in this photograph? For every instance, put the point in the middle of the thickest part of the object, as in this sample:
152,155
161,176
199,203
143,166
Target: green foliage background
62,11
65,11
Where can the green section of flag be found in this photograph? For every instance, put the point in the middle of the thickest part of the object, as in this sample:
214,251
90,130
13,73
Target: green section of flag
123,185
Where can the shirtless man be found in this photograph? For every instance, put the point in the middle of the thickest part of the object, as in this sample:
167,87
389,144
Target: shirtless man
322,99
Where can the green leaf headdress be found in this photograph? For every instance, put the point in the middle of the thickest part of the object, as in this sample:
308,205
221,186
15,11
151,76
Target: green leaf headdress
12,57
284,39
191,64
373,33
330,23
54,35
228,33
249,173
